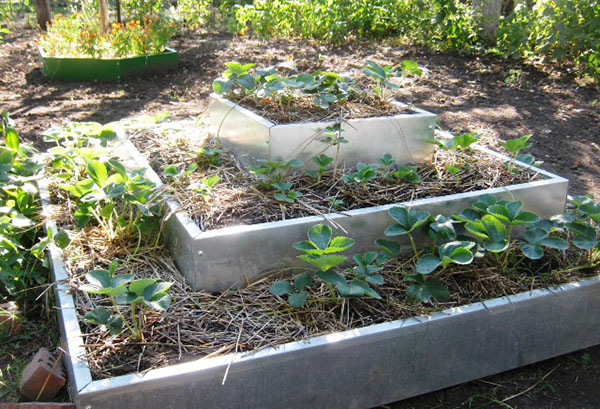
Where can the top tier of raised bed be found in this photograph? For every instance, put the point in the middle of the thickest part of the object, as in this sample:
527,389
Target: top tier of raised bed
407,136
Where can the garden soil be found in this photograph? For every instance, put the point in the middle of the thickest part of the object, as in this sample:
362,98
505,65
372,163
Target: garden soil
499,99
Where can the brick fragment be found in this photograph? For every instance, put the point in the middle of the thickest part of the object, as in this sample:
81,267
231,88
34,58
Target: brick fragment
39,372
10,319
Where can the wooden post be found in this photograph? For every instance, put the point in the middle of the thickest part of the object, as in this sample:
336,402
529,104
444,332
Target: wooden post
42,10
118,6
104,24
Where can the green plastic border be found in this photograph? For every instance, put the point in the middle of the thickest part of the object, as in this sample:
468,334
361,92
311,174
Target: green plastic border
95,69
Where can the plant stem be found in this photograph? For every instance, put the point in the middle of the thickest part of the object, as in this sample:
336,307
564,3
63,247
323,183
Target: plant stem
414,247
116,307
332,292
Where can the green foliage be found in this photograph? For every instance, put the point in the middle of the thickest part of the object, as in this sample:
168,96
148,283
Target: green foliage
122,289
212,156
22,241
285,192
514,146
559,31
484,231
320,251
274,171
322,161
363,175
461,142
118,199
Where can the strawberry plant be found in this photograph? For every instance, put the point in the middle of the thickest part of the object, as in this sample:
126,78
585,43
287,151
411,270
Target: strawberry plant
119,202
320,251
22,242
122,289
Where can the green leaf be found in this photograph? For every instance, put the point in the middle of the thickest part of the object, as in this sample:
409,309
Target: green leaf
555,243
395,230
307,247
429,288
461,255
99,278
281,288
156,289
525,218
138,286
331,277
211,181
463,141
494,228
61,239
534,235
410,67
532,251
338,244
320,236
303,280
324,262
160,302
407,219
427,263
390,247
128,298
516,145
107,210
222,87
98,316
246,81
97,172
296,300
12,139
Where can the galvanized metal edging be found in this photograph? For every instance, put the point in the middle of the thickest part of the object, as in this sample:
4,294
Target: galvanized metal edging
407,136
75,355
311,373
206,268
157,388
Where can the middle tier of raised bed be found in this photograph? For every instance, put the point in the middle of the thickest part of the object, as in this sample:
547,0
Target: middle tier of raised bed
234,256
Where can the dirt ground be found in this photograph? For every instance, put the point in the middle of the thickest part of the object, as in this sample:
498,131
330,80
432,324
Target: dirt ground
496,98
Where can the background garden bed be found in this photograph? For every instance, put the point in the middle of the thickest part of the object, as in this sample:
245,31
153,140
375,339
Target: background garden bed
107,69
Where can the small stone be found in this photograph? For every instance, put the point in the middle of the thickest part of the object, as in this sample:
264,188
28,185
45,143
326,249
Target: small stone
10,319
39,379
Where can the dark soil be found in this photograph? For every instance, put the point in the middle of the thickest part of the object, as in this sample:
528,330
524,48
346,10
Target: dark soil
499,99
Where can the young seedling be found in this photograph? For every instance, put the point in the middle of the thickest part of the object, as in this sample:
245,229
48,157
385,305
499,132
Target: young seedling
387,161
319,250
335,202
285,194
514,146
381,75
210,155
177,175
406,174
461,142
321,161
537,238
123,289
363,175
407,221
205,186
426,287
274,171
235,74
